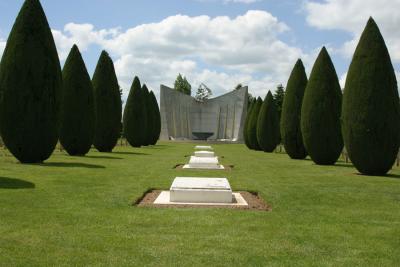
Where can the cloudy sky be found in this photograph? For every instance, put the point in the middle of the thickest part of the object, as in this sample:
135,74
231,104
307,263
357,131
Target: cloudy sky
218,42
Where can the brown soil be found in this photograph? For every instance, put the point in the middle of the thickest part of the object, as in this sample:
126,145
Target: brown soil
254,201
227,167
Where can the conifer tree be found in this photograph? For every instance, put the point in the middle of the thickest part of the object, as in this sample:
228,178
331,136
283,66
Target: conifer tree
371,113
133,116
268,136
30,86
252,127
247,123
108,104
77,120
320,113
156,120
149,115
292,138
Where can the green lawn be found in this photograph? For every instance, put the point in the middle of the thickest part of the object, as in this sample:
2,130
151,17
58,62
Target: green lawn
77,211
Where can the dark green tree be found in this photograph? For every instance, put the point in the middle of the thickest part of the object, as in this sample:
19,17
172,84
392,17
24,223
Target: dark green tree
108,104
292,138
268,125
156,128
279,97
134,117
371,114
247,123
77,106
252,127
30,87
148,109
320,113
182,85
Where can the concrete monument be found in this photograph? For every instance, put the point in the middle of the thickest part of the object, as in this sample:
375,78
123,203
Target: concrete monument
220,118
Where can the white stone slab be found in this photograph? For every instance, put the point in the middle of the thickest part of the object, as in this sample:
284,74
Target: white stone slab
200,190
164,199
204,154
203,148
203,163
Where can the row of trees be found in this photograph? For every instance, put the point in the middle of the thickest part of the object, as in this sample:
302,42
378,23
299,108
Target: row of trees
317,120
40,104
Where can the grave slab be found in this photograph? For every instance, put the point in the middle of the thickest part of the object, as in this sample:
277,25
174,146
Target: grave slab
164,199
201,190
203,163
204,154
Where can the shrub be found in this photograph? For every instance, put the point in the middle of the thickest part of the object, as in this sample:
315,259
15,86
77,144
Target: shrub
30,85
371,112
268,135
77,106
252,127
156,120
108,105
292,138
320,113
134,129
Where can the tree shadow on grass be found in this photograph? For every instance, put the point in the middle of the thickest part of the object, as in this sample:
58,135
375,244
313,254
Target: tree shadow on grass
130,153
70,165
344,165
394,176
12,183
101,157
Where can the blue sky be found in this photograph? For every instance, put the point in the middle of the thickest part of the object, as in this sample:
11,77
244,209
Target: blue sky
275,34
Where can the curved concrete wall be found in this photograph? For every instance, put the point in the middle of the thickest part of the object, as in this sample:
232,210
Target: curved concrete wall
181,115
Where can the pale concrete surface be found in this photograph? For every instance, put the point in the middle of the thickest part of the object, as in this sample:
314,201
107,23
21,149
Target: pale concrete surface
164,199
181,115
204,154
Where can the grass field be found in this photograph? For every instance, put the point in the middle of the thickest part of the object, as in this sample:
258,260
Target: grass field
77,211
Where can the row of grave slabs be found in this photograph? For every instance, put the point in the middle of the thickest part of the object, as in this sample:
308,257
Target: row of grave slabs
202,192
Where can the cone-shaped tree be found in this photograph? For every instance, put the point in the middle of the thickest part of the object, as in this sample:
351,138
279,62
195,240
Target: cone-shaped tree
156,120
149,115
371,112
252,127
77,106
292,138
134,129
320,112
108,105
247,123
268,135
30,85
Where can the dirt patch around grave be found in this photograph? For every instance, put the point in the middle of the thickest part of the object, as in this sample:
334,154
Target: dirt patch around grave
254,201
226,168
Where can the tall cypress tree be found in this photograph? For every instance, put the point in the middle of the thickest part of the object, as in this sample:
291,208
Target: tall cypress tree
149,115
268,136
156,129
320,113
291,112
30,86
371,113
133,116
108,105
252,127
77,106
247,123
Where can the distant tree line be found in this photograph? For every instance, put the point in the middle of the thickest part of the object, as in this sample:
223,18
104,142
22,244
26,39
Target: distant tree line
40,104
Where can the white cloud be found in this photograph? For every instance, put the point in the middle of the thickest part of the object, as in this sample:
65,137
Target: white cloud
220,51
241,1
351,16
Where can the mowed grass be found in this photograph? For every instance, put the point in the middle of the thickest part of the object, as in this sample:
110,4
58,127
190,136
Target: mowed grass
77,211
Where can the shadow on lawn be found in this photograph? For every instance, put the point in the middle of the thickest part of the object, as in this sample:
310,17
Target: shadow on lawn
101,157
71,165
11,183
131,153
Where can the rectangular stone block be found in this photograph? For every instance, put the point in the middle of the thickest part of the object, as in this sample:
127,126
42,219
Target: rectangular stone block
200,190
203,163
204,154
